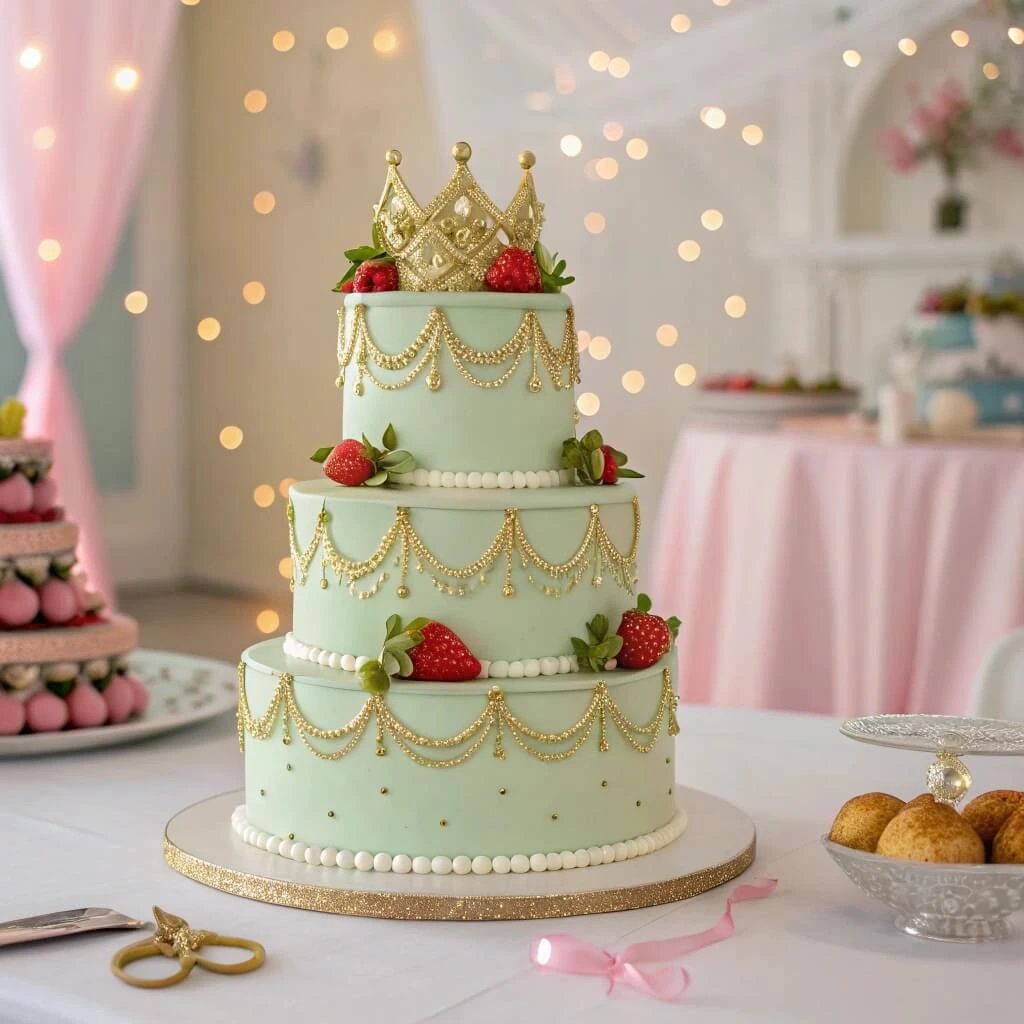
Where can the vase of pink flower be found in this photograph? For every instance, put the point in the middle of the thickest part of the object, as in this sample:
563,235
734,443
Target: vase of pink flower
952,129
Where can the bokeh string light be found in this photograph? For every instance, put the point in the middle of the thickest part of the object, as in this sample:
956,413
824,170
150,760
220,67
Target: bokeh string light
612,131
607,168
588,403
680,23
990,70
1016,35
385,42
735,306
337,37
594,222
231,437
633,382
254,292
752,134
268,620
600,347
907,47
136,302
49,250
264,202
263,495
571,145
127,78
713,117
851,58
285,485
44,138
960,38
685,374
667,335
30,58
689,250
599,60
255,101
283,41
636,149
208,328
712,219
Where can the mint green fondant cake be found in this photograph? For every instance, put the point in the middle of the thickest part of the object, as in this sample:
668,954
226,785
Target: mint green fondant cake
554,756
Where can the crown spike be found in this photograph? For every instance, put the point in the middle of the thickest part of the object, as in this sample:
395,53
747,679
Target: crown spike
462,151
526,159
393,157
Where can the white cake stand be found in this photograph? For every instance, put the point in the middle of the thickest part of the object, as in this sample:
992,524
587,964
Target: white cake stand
717,845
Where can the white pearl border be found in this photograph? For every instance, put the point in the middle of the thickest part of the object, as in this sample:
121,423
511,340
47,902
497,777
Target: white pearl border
507,480
403,864
556,665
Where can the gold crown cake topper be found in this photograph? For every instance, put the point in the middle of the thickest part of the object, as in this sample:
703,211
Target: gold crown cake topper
449,244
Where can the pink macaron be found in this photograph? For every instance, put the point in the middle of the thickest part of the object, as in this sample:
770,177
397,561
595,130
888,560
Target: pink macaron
119,697
139,691
12,715
15,494
19,603
86,706
44,494
58,601
45,712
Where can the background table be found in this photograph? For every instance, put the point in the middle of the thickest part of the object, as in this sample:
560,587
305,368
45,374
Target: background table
815,573
85,830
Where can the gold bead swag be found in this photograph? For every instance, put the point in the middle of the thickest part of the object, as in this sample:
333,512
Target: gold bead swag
562,363
596,554
496,720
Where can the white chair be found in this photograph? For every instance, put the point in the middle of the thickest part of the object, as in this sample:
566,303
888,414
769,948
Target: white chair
999,686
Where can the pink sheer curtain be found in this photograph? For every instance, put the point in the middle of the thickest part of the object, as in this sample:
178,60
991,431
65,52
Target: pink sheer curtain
71,141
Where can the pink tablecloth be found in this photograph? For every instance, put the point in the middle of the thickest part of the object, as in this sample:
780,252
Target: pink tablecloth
819,574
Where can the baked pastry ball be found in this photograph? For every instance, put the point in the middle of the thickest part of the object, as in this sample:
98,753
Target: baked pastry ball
862,819
1008,845
923,798
931,833
987,813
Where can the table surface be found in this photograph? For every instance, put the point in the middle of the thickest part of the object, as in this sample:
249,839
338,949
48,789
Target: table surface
85,830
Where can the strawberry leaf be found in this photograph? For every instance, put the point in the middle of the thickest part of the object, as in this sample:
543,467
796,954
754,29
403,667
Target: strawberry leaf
393,626
673,624
592,440
390,438
397,462
405,665
377,479
632,474
620,457
389,663
418,623
597,464
643,603
320,455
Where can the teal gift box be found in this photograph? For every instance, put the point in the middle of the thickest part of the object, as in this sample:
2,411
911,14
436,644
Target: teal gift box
999,399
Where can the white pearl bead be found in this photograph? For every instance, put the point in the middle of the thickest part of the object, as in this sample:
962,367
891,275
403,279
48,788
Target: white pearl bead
489,481
505,481
274,844
518,479
462,865
564,478
348,662
474,480
324,659
434,478
596,855
313,654
363,861
531,668
549,666
420,477
421,865
620,851
501,865
461,479
441,865
645,846
515,670
499,670
582,858
485,669
261,840
520,864
658,839
298,852
574,663
632,848
481,865
568,860
538,862
346,859
448,479
328,856
401,864
554,862
531,480
564,665
382,862
609,853
313,855
361,661
555,479
335,660
246,832
543,480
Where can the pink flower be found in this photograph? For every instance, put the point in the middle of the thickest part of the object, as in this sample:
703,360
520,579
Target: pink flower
898,149
950,100
1008,142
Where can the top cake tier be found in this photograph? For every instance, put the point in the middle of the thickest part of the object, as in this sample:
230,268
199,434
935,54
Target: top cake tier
471,381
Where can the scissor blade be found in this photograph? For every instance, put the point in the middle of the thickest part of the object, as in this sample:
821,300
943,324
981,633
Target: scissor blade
64,922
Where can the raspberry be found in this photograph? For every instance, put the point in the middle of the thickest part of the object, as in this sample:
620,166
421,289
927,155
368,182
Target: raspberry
376,276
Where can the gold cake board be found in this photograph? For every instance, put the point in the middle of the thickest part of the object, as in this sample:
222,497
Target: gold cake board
718,845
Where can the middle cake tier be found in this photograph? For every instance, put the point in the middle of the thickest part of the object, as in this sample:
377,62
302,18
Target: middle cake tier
515,574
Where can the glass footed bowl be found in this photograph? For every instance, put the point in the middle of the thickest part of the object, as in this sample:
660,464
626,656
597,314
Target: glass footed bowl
945,902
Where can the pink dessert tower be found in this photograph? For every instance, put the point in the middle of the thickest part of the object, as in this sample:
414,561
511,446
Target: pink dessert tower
63,659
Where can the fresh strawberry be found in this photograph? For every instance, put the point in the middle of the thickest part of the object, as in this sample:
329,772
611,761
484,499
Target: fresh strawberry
442,657
595,462
646,638
611,470
376,276
347,287
513,270
353,463
348,465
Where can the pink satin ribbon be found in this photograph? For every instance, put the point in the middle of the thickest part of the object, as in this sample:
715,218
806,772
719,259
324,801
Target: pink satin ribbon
570,955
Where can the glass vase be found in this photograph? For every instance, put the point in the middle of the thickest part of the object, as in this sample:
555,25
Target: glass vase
951,210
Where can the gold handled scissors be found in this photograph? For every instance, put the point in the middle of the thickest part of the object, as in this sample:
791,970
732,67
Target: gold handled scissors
174,938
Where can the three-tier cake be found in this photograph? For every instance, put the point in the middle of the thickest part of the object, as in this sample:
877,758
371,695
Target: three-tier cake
493,539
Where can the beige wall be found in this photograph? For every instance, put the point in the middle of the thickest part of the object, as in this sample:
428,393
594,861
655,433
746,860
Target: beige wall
271,371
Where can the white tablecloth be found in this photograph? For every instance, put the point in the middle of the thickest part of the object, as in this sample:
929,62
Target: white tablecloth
85,830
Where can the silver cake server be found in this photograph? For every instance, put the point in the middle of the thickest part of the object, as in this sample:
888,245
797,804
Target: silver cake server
64,922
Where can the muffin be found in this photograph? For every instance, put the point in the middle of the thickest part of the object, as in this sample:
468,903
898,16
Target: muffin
931,833
1008,845
987,813
862,820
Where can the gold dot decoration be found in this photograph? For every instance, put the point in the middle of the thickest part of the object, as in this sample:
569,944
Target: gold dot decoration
263,792
330,814
383,790
604,783
443,823
502,791
638,803
554,817
288,767
291,835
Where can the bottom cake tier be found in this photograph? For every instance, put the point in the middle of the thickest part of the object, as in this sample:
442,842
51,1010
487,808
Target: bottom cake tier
566,770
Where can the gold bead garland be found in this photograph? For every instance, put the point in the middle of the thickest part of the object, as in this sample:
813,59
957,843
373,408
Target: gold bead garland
562,363
596,553
496,717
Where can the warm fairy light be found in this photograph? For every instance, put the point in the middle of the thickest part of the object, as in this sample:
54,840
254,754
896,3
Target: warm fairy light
582,340
735,306
255,100
1016,35
126,78
607,167
599,60
636,149
231,437
633,382
284,486
254,292
284,567
136,302
667,335
538,101
565,80
267,621
263,495
752,134
990,70
49,250
190,3
612,131
685,374
590,169
907,47
571,145
851,58
618,67
283,41
588,403
680,23
385,41
713,117
30,58
721,3
600,347
712,219
208,328
264,202
337,38
594,222
689,250
44,138
960,37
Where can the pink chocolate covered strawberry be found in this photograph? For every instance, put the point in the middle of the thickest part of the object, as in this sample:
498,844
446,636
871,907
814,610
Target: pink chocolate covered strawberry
646,638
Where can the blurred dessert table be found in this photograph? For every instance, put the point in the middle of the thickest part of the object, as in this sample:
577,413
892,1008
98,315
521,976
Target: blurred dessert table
815,570
85,830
